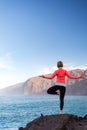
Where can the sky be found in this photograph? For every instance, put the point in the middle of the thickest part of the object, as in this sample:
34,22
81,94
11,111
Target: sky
35,34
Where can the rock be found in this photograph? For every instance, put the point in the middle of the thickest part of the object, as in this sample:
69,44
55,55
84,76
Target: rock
85,117
57,122
21,128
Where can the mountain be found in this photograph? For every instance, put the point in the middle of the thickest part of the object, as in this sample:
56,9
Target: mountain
17,89
38,86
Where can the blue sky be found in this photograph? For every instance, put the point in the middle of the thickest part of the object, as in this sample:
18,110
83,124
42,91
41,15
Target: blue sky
35,34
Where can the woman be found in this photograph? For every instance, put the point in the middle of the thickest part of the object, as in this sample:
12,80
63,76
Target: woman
60,84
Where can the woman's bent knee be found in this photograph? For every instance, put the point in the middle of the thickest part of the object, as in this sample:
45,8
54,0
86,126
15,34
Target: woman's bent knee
48,91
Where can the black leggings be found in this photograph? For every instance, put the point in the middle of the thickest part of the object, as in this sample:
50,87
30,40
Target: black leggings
62,90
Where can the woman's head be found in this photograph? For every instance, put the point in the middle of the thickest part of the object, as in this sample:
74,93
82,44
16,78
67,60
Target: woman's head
59,64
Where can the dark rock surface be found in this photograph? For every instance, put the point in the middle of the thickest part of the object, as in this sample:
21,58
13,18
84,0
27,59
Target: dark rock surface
57,122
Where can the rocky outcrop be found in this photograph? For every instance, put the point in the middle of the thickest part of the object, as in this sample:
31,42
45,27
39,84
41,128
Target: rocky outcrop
57,122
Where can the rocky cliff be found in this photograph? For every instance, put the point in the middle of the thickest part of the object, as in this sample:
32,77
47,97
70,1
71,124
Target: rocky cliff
37,85
57,122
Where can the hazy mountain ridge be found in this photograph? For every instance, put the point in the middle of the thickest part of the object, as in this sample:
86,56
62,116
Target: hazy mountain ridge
17,89
38,85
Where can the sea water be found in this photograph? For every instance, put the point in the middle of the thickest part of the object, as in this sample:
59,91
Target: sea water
17,111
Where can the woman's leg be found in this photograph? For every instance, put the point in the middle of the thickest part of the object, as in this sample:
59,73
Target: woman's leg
52,90
62,89
62,94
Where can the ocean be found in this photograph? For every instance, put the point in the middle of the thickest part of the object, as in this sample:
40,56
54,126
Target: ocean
17,111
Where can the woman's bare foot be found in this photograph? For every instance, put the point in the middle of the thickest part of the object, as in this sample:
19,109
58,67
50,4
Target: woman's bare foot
60,112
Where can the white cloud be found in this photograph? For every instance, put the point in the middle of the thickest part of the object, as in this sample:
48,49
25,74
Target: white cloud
45,70
6,61
6,70
72,67
7,79
68,67
54,68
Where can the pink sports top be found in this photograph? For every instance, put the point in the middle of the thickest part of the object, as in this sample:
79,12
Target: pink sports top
60,75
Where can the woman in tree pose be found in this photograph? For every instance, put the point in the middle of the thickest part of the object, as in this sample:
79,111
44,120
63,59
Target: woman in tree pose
60,85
